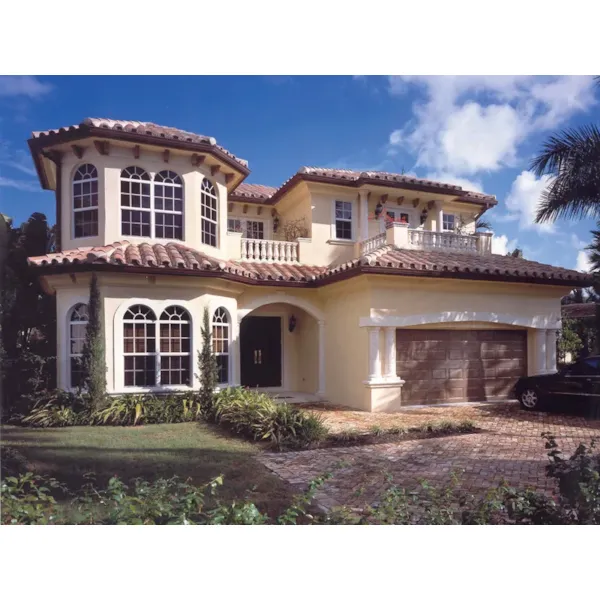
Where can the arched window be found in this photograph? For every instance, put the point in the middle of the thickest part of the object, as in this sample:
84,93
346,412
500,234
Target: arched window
78,321
85,202
168,206
136,202
209,214
175,346
220,336
139,346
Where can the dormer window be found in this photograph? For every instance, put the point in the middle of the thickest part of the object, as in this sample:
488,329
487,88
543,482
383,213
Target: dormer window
85,202
209,213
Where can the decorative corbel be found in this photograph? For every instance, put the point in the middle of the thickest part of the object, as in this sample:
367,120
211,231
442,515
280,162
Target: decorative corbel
416,202
166,155
78,150
384,198
229,177
245,208
102,147
136,151
400,200
198,159
259,210
230,207
215,169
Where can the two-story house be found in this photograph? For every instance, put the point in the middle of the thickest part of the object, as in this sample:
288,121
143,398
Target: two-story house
372,290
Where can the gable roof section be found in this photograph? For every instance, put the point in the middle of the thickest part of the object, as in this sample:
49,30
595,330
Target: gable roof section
177,259
579,310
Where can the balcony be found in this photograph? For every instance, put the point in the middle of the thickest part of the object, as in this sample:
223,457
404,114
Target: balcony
399,235
269,251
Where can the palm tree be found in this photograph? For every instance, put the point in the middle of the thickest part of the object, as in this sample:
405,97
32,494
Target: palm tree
594,251
572,160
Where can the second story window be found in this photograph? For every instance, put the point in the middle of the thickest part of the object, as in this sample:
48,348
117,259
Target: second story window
168,205
209,213
151,208
136,202
343,220
85,202
254,230
448,222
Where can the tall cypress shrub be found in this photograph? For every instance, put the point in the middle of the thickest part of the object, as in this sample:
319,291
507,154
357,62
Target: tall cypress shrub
94,358
207,363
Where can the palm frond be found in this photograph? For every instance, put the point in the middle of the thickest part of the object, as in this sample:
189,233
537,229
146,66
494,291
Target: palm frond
572,160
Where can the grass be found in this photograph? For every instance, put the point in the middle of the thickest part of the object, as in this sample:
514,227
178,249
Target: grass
193,450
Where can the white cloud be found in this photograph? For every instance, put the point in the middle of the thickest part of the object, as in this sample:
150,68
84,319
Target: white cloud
18,184
502,245
476,123
32,87
523,199
466,184
583,262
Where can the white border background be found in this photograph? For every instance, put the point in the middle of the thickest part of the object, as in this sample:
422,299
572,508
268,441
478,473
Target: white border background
275,38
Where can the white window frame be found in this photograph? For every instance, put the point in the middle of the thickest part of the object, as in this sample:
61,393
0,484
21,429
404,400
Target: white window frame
454,222
164,211
203,218
95,208
157,354
152,210
243,225
162,320
76,308
227,325
352,221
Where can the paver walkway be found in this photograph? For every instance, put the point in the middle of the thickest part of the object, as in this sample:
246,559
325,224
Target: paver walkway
510,447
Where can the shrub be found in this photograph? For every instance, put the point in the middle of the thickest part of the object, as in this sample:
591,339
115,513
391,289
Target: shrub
257,416
140,409
58,409
94,361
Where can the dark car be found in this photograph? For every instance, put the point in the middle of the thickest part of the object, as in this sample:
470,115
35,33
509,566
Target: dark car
577,382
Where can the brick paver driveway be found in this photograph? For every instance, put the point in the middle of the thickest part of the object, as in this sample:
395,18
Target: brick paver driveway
509,447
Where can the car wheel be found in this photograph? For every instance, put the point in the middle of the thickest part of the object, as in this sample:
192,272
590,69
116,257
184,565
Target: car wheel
530,399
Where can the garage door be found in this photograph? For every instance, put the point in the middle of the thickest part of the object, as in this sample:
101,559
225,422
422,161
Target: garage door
459,365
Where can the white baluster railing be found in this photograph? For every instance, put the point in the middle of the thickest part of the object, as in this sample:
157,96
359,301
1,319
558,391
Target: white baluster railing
434,240
269,251
373,243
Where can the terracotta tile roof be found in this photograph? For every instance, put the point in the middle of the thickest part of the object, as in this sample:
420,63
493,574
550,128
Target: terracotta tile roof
252,191
141,127
578,311
178,257
395,178
418,262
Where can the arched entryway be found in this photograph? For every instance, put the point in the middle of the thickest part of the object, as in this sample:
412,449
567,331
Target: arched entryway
282,347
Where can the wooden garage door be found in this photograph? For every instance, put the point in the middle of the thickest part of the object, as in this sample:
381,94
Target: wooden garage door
459,365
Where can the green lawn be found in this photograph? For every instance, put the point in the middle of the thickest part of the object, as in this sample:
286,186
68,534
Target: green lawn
185,449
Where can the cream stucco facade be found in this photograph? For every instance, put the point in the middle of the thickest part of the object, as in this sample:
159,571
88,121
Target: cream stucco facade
334,334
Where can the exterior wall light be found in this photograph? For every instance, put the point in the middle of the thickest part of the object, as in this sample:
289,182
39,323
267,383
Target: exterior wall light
292,323
424,216
378,210
275,223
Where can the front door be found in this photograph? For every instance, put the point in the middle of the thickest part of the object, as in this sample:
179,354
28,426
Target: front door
260,351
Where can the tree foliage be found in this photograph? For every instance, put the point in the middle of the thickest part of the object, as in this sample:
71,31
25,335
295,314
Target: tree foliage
207,362
27,315
94,354
568,341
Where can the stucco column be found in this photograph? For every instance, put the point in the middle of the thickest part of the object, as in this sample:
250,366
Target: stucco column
390,353
550,350
540,351
374,355
440,218
364,215
321,390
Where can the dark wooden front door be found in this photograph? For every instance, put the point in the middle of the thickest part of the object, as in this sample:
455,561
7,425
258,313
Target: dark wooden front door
260,351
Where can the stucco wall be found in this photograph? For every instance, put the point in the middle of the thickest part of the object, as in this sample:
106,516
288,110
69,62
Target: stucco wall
109,171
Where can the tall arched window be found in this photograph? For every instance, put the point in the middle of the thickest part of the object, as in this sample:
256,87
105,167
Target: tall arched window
175,346
168,206
220,335
78,320
136,202
209,213
139,346
85,202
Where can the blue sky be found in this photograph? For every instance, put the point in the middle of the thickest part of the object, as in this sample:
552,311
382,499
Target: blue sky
478,131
